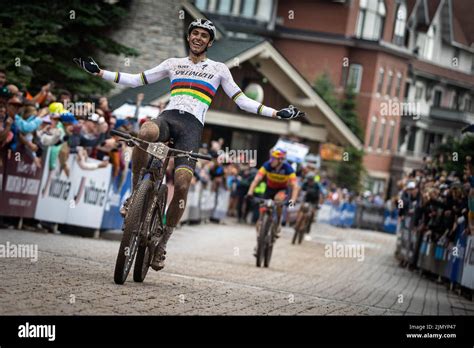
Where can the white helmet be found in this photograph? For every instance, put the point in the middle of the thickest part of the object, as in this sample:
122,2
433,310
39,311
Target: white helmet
204,24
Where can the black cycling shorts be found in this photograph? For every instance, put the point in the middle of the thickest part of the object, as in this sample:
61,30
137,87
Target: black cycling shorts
185,130
271,193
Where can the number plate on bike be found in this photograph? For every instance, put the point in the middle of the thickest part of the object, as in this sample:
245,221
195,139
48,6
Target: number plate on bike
158,150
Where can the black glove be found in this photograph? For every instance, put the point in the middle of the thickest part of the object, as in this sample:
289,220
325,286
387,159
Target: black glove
290,112
88,65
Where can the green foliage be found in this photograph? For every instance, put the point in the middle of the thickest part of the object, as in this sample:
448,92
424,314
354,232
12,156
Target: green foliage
325,89
348,112
350,170
348,173
344,108
40,39
451,156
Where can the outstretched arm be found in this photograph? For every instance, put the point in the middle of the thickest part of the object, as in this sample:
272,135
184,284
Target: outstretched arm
245,103
149,76
250,105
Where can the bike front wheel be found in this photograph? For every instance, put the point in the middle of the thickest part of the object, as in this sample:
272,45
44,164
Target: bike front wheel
265,229
153,224
133,224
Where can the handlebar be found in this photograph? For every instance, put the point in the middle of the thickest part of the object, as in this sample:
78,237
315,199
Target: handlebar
263,200
201,156
121,134
134,139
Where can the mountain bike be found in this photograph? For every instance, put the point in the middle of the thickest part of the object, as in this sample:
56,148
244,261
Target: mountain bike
268,225
303,224
145,218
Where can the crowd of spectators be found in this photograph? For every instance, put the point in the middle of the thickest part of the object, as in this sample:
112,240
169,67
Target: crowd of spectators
437,204
51,120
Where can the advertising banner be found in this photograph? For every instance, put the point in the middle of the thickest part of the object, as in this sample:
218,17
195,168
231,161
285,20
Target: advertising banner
21,179
89,188
331,152
467,279
78,199
119,189
295,152
348,215
390,221
55,193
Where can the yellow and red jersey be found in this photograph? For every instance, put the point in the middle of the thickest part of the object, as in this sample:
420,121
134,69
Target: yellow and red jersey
277,178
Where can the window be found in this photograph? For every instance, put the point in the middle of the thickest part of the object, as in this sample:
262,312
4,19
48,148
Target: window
381,133
248,8
355,76
418,93
224,6
398,86
427,44
201,4
437,98
380,82
389,83
371,19
390,135
372,131
455,100
467,104
400,24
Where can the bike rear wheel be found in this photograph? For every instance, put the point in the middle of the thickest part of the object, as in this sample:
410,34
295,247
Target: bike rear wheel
262,239
133,224
268,253
298,227
153,223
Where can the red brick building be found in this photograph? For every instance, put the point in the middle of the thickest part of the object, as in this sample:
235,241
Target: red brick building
390,50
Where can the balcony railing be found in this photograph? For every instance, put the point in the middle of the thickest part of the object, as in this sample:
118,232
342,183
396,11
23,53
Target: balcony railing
452,115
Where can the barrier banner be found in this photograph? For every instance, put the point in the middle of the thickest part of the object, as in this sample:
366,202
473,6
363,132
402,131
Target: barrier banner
89,189
21,181
335,215
222,204
193,203
55,194
405,238
467,278
423,255
348,214
371,217
390,221
324,213
119,189
207,202
78,199
456,255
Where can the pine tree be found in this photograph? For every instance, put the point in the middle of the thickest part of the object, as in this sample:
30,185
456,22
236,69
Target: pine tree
348,172
348,112
325,90
40,39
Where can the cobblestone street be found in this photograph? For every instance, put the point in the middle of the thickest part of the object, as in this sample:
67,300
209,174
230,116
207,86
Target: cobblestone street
211,271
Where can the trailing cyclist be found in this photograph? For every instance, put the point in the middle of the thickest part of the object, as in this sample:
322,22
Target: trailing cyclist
280,179
194,83
312,195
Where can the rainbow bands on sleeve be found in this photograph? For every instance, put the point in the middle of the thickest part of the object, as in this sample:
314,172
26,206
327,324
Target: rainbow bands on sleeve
236,95
117,77
143,77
